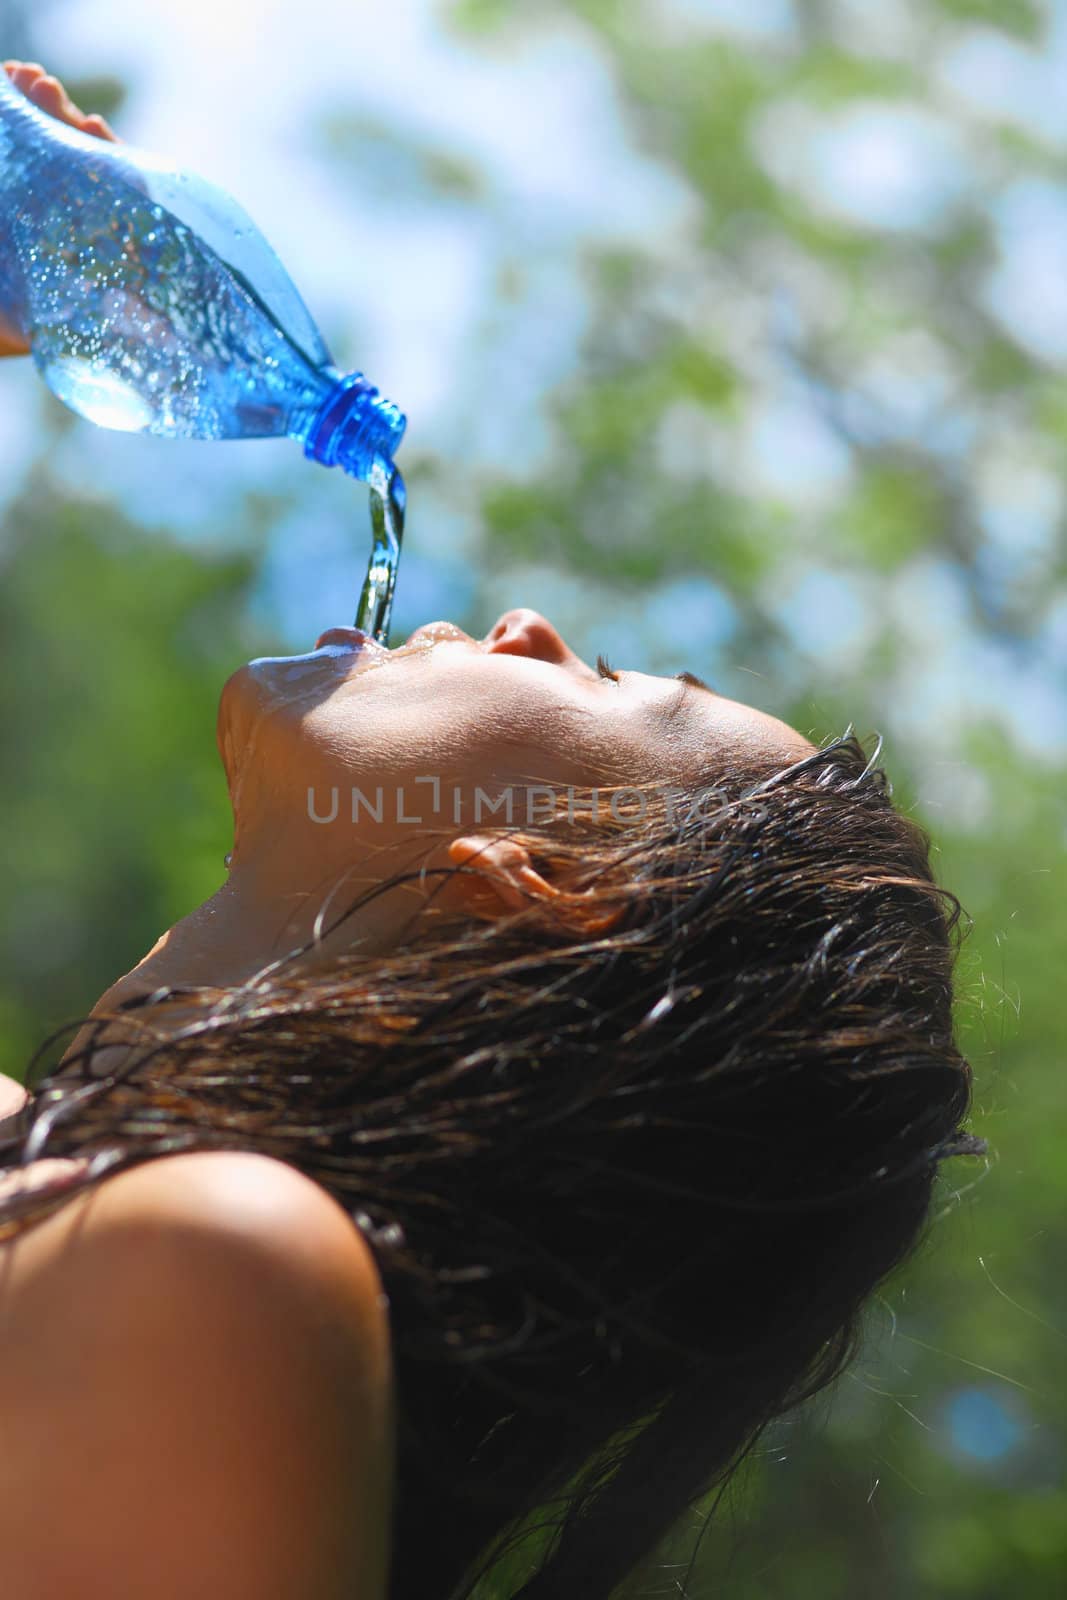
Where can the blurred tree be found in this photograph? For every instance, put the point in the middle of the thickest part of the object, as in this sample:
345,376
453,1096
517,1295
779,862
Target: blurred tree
114,642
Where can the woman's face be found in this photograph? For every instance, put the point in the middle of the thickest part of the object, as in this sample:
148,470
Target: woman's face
354,745
354,763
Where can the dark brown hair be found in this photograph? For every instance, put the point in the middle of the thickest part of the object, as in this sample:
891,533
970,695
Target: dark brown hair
628,1188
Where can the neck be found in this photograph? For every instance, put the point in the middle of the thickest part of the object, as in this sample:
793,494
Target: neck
255,918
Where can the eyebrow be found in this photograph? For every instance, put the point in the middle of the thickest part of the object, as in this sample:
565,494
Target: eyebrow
692,681
689,681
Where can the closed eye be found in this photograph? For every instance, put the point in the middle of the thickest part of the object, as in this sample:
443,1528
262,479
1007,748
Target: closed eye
606,670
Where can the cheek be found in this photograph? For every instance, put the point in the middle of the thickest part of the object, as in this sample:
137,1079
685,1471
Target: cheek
434,727
457,730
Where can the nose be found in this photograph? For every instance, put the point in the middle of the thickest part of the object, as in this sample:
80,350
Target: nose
523,632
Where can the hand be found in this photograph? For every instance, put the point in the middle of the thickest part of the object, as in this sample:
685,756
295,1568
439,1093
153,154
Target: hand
49,94
46,1178
12,1096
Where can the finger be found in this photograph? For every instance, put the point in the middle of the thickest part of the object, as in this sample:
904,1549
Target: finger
51,1172
26,75
12,1096
50,95
96,125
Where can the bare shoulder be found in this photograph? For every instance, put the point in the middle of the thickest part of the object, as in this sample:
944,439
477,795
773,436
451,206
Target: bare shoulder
222,1200
195,1379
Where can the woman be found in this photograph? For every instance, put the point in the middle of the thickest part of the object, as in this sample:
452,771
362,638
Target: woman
566,1058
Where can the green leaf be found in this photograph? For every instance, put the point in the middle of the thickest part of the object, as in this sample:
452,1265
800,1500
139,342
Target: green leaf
1024,19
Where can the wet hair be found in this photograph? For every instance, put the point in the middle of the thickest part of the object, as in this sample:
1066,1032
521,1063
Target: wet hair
631,1160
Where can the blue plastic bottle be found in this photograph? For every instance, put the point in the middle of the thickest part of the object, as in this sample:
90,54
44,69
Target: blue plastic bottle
151,302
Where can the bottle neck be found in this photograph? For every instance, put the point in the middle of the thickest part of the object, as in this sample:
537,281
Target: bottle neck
355,427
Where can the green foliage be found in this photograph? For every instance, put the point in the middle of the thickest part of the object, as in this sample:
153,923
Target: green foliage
892,515
104,93
114,643
1027,19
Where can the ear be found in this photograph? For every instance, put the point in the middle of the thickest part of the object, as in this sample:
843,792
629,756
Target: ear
506,880
504,877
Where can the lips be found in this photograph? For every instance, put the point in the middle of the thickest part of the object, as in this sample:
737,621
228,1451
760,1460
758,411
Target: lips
353,638
354,641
